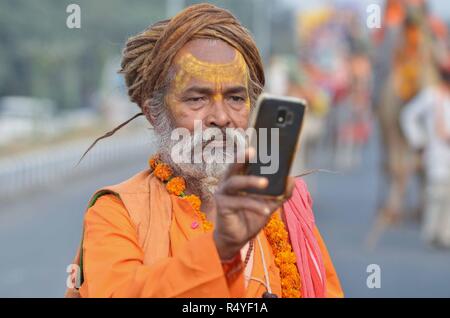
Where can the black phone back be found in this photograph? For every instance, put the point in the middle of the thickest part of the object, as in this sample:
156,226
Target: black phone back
277,126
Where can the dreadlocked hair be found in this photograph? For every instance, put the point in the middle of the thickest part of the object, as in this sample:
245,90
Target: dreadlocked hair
147,58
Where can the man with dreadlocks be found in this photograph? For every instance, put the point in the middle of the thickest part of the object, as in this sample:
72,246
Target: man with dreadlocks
182,229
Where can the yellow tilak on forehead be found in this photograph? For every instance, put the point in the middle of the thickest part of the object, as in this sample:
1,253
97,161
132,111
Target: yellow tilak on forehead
191,67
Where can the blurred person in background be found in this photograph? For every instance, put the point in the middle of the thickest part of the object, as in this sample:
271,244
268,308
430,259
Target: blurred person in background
333,72
426,124
353,112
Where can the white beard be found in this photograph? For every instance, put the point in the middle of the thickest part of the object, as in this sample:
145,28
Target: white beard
204,176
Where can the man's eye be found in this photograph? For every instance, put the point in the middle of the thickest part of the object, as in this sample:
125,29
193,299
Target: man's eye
236,98
196,99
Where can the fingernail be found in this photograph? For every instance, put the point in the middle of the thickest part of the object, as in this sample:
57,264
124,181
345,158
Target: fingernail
263,182
267,211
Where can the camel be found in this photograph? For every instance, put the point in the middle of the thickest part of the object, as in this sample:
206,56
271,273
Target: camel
411,69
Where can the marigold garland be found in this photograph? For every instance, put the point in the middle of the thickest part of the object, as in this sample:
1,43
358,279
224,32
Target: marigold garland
194,201
153,162
285,259
275,229
163,172
176,186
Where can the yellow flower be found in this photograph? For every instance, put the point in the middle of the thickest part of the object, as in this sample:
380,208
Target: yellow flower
176,186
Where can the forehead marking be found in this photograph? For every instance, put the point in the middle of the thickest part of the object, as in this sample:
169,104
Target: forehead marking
191,67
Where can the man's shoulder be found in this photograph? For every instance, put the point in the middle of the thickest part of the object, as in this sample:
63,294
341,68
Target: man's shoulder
107,209
111,197
138,183
107,201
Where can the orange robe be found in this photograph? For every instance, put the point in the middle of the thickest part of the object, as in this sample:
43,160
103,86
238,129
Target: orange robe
113,260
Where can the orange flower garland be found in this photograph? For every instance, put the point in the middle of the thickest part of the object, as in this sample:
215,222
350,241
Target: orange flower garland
153,162
176,186
275,229
162,172
285,259
194,201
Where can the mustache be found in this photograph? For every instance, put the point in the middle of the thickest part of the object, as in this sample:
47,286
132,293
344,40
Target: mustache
225,138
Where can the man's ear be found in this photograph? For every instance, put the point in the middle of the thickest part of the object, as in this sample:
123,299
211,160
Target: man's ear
147,113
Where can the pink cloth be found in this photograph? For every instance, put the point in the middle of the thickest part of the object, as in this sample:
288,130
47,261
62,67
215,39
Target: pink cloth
301,225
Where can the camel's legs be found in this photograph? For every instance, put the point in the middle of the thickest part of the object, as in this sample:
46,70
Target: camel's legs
392,210
398,170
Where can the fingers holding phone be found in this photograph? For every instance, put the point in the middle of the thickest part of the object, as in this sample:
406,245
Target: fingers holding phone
247,196
276,124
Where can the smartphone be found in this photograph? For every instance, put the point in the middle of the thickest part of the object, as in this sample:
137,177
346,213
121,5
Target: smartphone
277,123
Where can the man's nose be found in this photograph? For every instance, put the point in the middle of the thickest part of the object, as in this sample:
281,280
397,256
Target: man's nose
218,115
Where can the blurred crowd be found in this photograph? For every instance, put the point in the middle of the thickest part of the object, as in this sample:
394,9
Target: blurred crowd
396,78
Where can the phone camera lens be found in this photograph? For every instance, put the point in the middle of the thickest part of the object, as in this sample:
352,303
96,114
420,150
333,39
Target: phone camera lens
281,116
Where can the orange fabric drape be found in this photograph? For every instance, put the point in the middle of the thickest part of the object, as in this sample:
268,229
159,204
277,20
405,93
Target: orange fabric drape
114,261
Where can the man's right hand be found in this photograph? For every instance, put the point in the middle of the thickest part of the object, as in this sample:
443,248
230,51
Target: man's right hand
239,218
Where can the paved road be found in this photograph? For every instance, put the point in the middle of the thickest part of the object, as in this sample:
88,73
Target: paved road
40,232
